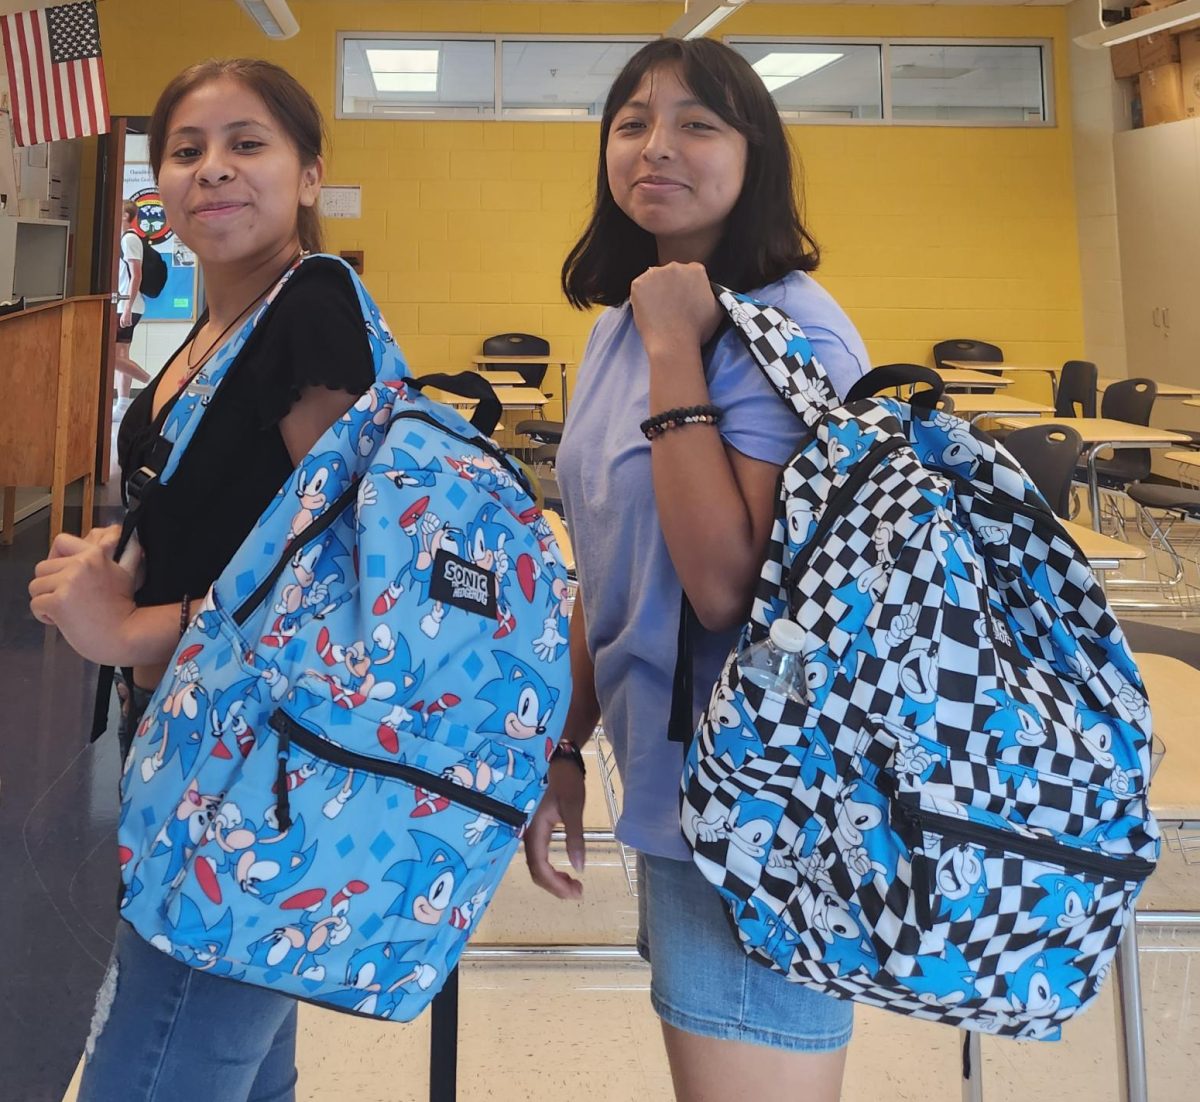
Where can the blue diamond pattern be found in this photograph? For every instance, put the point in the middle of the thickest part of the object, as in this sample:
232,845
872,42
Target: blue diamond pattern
382,846
244,583
415,440
148,816
392,802
473,666
345,846
376,566
456,495
368,927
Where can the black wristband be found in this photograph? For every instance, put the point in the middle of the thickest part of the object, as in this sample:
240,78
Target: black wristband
566,749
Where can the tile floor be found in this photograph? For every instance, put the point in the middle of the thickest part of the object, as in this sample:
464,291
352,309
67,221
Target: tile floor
531,1031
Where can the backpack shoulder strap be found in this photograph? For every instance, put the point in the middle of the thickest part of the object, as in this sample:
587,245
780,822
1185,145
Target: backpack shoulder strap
782,352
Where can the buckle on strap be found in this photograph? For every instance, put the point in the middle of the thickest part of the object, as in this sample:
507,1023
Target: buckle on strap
138,483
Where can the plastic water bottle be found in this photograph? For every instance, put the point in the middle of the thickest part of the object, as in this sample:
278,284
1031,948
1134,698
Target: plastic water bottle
776,664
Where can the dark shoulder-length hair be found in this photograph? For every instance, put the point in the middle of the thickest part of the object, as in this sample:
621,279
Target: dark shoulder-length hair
763,237
290,106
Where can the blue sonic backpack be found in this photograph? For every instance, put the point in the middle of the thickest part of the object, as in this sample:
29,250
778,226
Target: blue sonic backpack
335,771
953,822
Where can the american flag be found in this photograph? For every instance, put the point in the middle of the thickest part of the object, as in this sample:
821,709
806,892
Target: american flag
55,73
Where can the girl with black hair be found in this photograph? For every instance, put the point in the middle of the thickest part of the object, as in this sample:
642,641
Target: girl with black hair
236,151
694,183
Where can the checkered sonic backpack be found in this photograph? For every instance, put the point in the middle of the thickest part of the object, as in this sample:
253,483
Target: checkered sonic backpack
953,823
337,767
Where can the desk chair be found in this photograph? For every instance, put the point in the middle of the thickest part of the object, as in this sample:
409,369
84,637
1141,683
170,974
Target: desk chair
1048,454
964,349
519,344
1076,394
1130,400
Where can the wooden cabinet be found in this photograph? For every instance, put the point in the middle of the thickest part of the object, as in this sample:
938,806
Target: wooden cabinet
1158,221
51,364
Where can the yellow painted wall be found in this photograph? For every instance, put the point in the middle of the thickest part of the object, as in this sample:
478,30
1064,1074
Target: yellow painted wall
928,232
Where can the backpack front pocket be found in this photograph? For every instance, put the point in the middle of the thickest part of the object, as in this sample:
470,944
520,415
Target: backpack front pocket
1012,920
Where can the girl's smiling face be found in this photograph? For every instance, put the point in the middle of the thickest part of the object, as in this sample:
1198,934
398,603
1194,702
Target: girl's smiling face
674,166
231,180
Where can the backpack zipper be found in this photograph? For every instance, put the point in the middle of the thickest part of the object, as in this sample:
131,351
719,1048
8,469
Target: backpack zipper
848,489
1057,853
481,442
344,499
290,731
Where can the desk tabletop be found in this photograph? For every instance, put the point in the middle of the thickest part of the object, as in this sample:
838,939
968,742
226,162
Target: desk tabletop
1173,687
975,404
1165,390
561,538
558,361
953,377
1105,430
1096,545
1184,456
976,365
504,378
514,397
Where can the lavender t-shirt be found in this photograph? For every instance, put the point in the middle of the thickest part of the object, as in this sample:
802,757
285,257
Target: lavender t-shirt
629,588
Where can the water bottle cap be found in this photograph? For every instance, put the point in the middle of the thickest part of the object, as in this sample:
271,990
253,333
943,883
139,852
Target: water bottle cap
787,635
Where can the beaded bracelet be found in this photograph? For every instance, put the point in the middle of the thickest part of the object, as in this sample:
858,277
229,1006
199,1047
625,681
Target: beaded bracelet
185,614
655,426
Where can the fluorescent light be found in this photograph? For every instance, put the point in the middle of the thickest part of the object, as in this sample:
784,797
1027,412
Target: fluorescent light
402,61
405,82
274,17
779,69
700,18
1188,11
403,69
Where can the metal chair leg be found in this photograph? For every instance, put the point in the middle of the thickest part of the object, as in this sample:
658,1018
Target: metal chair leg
1131,1034
972,1066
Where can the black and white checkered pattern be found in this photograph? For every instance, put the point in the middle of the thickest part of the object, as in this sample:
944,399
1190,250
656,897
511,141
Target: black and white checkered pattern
953,823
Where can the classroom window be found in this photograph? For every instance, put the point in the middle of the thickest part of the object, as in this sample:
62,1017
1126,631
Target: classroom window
550,78
906,81
478,76
975,83
814,81
388,77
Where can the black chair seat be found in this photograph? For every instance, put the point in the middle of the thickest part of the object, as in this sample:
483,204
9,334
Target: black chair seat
1115,480
541,432
545,453
1153,495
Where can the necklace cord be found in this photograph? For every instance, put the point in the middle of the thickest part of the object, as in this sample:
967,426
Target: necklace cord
194,369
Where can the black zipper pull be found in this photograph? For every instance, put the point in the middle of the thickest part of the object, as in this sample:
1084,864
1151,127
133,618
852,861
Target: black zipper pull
283,811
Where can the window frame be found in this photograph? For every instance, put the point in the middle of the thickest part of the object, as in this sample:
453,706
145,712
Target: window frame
1046,45
498,112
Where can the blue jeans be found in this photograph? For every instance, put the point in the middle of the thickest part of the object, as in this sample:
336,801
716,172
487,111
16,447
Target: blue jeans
164,1032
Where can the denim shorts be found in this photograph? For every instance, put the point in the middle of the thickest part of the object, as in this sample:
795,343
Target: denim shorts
702,982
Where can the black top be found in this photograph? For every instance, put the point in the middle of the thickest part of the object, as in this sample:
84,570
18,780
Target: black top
313,334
